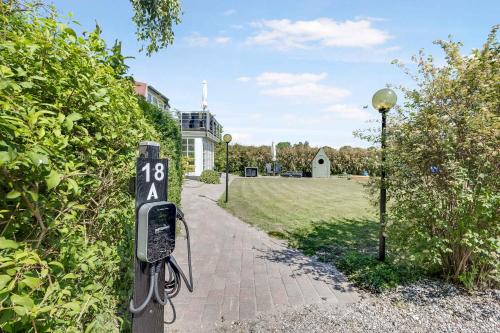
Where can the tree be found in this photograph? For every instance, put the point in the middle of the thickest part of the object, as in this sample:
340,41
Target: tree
444,167
155,20
281,145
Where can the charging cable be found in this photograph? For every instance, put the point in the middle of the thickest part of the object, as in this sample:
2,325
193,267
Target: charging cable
173,284
153,280
175,273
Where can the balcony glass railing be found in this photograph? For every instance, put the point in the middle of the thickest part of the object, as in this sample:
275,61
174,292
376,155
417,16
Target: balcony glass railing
200,121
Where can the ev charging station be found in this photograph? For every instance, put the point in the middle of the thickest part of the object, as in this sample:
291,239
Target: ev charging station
154,244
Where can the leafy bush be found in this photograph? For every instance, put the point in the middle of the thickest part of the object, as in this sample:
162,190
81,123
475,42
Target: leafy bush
69,129
297,157
171,143
369,273
210,177
444,168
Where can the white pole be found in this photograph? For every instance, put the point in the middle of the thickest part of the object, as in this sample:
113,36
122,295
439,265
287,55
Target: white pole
204,95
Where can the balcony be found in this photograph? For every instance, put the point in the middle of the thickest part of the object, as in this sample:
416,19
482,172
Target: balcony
200,121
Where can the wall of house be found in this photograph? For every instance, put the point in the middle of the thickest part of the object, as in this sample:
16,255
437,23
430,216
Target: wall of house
198,156
156,99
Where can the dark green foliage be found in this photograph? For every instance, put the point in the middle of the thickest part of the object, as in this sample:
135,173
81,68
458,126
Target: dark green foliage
336,236
297,158
369,273
70,125
443,164
351,244
281,145
155,20
210,177
171,145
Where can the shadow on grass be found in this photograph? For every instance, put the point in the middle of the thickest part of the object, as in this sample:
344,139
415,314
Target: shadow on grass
336,236
351,245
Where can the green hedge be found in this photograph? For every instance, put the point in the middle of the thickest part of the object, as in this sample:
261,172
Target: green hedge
171,146
69,129
210,177
298,157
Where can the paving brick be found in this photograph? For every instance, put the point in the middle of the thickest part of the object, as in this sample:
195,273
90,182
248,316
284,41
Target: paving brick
278,291
211,313
264,300
247,294
218,284
230,308
308,292
215,296
232,288
239,271
247,309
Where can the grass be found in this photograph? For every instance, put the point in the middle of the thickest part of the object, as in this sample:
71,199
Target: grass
331,218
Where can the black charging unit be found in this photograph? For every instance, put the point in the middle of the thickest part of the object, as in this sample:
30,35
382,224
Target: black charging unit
156,231
155,242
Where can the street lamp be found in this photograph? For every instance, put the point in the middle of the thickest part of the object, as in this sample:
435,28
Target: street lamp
383,100
227,138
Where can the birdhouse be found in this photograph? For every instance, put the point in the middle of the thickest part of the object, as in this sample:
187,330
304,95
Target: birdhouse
321,165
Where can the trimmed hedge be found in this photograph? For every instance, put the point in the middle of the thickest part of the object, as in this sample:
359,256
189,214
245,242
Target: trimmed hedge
171,146
210,177
298,157
70,125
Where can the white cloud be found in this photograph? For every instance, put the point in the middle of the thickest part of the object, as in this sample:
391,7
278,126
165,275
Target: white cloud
287,34
346,111
229,12
197,40
269,78
300,87
309,92
222,40
370,18
243,79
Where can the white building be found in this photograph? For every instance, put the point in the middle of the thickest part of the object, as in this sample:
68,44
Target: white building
200,132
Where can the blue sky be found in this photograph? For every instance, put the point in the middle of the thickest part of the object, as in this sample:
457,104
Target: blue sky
289,70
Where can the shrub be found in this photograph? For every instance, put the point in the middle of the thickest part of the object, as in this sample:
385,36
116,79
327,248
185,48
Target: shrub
369,273
210,177
297,157
69,129
444,168
171,145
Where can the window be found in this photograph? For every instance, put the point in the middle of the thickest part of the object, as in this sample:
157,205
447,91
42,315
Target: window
188,152
208,155
321,161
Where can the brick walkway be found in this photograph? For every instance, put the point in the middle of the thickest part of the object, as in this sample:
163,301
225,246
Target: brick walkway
240,271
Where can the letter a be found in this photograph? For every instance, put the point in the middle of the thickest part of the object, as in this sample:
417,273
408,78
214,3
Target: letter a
152,192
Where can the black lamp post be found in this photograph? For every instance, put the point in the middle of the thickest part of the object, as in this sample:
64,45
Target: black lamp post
227,138
383,100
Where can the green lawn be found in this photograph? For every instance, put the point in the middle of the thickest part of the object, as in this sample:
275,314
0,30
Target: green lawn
313,214
332,218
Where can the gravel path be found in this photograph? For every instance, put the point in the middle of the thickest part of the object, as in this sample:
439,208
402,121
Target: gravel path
427,306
